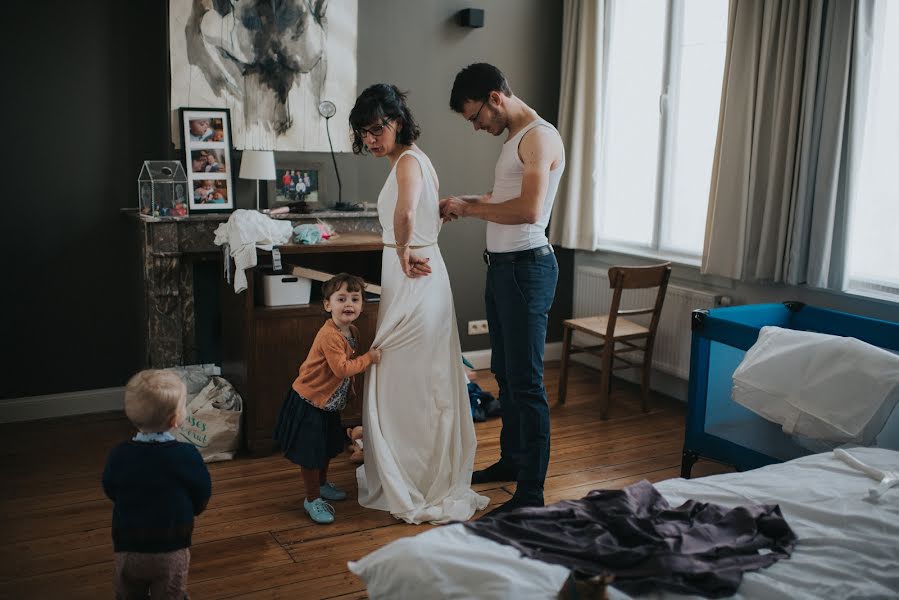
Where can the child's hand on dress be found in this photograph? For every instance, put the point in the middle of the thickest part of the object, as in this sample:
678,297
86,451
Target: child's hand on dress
375,354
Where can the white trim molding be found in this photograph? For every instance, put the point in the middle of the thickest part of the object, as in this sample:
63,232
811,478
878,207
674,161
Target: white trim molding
481,358
65,404
661,382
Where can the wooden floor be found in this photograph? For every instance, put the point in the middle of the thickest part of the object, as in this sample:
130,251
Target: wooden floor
255,540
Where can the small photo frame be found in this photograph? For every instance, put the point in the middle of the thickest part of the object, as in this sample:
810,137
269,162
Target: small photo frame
295,184
206,143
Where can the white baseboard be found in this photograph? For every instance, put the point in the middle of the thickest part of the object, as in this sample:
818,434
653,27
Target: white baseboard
661,382
67,404
61,405
481,358
107,399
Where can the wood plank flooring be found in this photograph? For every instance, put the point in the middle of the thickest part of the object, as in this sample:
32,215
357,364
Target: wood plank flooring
255,540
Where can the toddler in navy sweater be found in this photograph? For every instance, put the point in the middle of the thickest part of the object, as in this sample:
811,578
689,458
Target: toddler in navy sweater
158,485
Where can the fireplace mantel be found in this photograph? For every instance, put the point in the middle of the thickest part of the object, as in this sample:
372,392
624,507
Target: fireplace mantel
169,248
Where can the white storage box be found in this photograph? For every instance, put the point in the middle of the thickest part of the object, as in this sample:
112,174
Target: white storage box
284,289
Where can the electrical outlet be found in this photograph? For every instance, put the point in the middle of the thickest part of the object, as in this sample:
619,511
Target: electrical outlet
477,328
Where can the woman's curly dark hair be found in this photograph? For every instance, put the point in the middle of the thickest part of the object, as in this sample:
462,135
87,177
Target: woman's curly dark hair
376,104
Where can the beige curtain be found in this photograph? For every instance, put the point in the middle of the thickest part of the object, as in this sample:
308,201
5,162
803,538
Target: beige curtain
584,51
816,245
776,198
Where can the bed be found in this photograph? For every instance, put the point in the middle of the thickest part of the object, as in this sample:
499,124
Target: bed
848,544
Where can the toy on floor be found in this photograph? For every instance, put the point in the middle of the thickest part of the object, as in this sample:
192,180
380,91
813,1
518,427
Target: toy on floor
355,449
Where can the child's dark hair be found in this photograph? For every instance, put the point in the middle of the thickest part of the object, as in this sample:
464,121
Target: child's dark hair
377,103
475,82
354,283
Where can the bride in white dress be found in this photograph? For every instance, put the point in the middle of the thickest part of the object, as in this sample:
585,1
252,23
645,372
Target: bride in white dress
419,437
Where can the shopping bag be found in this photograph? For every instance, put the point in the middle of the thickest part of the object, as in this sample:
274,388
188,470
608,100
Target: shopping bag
212,423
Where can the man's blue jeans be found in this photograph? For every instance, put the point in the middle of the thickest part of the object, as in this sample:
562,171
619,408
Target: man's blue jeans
519,295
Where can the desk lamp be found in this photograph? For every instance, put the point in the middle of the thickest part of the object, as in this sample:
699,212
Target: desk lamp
257,164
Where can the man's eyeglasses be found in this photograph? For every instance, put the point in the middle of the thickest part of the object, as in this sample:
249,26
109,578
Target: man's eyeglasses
477,114
375,131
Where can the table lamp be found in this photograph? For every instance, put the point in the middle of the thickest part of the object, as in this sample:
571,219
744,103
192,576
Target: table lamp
258,165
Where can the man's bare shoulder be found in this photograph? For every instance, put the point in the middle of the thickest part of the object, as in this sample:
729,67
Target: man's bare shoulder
541,144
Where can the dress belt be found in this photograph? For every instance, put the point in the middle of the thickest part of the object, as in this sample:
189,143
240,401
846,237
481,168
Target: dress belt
410,247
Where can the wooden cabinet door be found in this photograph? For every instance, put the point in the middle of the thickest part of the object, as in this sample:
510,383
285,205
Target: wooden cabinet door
282,344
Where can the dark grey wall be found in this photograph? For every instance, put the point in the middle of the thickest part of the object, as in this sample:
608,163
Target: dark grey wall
417,45
83,104
85,98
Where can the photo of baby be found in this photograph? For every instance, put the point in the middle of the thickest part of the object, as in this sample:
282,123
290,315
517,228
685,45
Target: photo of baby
207,161
206,130
210,191
206,142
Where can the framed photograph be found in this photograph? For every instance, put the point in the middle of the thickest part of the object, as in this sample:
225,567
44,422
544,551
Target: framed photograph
206,143
298,186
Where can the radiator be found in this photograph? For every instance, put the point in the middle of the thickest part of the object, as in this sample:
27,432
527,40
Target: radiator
671,352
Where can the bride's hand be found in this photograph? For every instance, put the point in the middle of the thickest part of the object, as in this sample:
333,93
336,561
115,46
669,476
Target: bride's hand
413,266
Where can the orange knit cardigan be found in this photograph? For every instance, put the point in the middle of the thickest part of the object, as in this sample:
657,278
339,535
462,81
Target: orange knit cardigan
330,360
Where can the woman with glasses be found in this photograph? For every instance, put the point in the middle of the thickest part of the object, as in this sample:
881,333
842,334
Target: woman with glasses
419,437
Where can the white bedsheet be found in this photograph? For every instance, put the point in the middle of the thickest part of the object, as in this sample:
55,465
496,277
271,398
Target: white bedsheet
848,546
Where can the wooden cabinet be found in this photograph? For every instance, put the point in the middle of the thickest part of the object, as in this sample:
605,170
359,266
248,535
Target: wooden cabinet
263,347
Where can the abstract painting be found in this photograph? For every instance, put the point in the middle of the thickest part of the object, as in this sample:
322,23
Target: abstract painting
270,62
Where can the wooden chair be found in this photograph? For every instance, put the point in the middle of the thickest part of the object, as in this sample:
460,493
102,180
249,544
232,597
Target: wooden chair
614,330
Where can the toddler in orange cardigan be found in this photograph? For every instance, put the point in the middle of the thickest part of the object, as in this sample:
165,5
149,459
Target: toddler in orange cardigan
308,427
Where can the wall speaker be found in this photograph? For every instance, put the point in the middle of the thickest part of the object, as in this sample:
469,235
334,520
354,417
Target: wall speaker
471,17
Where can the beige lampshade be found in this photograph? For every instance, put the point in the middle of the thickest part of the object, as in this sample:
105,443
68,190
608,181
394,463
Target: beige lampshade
257,164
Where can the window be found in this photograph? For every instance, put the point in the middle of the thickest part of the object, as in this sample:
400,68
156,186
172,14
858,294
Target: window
872,258
663,90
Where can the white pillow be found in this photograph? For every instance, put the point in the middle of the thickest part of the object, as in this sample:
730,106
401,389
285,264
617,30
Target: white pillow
820,386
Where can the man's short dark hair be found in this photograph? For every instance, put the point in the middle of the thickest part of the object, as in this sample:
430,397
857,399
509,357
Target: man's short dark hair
475,82
354,283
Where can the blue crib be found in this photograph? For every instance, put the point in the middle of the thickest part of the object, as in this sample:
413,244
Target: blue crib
720,429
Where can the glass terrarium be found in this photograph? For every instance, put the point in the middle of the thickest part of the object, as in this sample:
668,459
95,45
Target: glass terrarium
162,189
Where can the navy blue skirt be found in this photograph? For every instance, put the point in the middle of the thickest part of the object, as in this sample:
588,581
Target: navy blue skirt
309,436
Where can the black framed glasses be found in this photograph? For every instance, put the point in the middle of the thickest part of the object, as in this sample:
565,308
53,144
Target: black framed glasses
477,114
375,131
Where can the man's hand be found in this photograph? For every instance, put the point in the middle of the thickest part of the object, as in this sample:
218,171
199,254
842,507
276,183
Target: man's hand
413,266
452,207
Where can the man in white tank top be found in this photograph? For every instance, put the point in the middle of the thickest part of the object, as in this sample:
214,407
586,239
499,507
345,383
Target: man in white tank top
522,269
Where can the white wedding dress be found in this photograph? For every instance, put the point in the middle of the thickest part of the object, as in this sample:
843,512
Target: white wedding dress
419,437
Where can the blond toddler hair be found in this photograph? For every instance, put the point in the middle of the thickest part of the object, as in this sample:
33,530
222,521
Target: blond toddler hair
154,400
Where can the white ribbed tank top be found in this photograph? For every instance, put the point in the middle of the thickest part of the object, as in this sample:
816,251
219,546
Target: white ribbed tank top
507,185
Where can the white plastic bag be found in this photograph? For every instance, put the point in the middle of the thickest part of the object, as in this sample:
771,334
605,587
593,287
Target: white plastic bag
212,423
819,386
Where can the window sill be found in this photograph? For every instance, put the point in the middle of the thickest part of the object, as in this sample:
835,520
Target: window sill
677,259
687,272
881,297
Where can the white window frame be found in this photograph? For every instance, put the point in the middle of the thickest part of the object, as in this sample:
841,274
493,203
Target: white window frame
664,169
856,285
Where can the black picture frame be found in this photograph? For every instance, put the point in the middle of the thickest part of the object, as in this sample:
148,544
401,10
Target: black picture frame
208,158
279,194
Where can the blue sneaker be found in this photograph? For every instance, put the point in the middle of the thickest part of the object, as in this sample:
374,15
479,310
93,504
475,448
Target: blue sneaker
329,491
320,511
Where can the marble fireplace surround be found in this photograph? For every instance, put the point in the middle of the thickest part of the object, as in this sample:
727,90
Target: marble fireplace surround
169,248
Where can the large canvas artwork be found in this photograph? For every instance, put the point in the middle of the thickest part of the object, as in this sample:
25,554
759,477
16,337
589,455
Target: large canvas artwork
270,62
